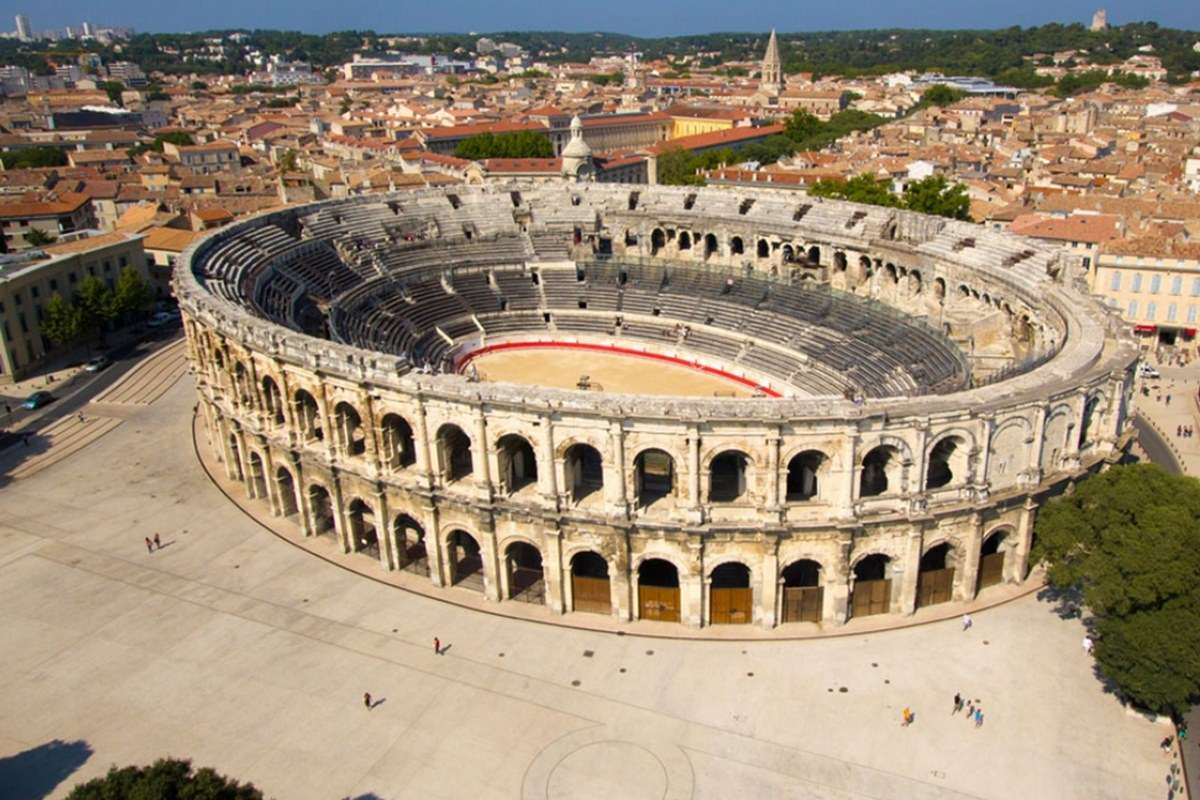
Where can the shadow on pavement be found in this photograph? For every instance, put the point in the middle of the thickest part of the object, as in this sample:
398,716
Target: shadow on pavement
35,773
15,448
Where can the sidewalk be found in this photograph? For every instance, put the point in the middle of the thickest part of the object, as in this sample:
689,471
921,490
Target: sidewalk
1180,385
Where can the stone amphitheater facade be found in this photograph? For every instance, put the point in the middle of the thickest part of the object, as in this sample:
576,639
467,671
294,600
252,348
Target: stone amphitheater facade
828,505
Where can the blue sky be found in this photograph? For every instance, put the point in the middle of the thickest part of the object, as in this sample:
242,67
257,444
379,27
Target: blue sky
642,17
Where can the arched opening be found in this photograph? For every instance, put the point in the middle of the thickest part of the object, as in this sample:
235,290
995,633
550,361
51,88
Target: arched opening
364,538
658,240
321,507
518,466
241,384
991,559
710,246
736,247
685,240
285,490
935,577
914,282
1085,427
399,448
410,545
654,477
454,453
466,564
787,253
590,586
272,400
839,261
584,471
814,255
258,478
764,248
947,463
939,290
730,598
880,471
803,595
727,477
802,476
872,592
352,438
235,458
525,578
308,415
658,590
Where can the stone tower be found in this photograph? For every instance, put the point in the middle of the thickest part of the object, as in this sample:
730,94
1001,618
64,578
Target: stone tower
577,156
772,68
1100,20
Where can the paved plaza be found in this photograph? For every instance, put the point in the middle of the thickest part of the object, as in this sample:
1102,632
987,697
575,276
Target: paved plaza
237,649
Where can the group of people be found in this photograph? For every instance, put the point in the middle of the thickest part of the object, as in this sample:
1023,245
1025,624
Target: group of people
974,710
1183,431
153,544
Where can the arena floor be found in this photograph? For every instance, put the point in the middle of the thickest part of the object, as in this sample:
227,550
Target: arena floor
236,649
562,368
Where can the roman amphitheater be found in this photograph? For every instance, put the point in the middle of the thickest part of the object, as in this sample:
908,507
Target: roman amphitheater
695,406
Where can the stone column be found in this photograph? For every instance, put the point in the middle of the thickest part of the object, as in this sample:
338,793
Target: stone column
912,568
692,595
622,581
695,511
614,479
1017,567
771,490
481,456
493,581
302,509
434,547
371,434
837,583
767,607
547,479
383,530
340,524
553,572
967,576
424,463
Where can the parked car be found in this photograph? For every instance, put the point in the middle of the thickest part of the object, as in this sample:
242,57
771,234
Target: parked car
38,399
161,319
98,363
1147,371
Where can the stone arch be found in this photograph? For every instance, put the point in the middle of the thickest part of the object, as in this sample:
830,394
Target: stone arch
801,584
235,458
308,415
1054,438
839,261
351,435
935,574
272,400
658,588
1008,452
1092,408
241,383
728,476
947,461
871,589
788,254
684,240
805,472
658,240
711,246
285,490
882,470
763,249
320,505
914,282
654,476
736,246
409,537
455,461
364,533
994,550
517,462
939,290
258,474
523,566
591,583
814,255
583,468
399,445
465,559
730,594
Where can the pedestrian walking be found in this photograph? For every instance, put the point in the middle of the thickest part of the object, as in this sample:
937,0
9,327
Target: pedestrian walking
367,700
970,708
7,408
1087,645
149,545
437,646
979,718
80,415
967,622
157,542
958,703
25,440
1166,745
907,716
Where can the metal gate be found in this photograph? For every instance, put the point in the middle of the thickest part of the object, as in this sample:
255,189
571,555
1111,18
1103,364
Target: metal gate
991,569
803,603
660,603
730,606
935,586
591,594
871,597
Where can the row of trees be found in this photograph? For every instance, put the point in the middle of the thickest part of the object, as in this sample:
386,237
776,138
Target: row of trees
933,195
34,157
514,144
95,307
165,779
1127,542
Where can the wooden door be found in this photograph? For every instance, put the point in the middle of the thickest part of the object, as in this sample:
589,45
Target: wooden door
730,606
803,603
991,569
659,603
592,595
871,597
935,586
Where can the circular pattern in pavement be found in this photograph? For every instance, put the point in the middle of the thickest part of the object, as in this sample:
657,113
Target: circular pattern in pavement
588,772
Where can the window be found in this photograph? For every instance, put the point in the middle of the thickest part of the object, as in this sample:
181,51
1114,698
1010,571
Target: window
1171,313
1191,313
1087,263
1176,285
124,261
1133,308
71,278
1155,284
33,291
1137,282
17,297
54,284
1195,287
1151,311
1115,286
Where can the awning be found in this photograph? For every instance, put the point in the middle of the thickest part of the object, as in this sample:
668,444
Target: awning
1145,328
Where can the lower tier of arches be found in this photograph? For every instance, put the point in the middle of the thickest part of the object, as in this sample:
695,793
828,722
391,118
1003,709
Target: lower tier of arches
696,578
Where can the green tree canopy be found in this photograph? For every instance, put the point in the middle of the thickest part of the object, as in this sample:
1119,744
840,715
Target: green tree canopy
37,237
941,95
95,303
113,89
34,157
859,189
165,779
132,295
1129,541
937,195
62,322
514,144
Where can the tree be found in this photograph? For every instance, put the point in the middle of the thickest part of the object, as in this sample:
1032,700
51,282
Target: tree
199,86
677,167
113,89
132,295
941,95
801,126
936,195
514,144
62,322
34,157
165,778
95,303
863,188
1129,541
36,237
288,161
